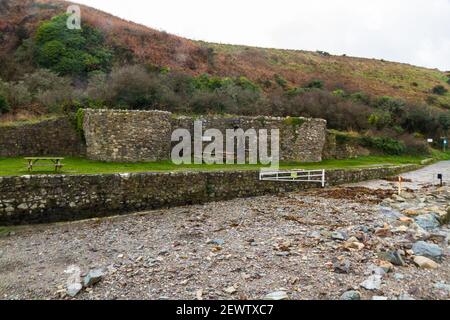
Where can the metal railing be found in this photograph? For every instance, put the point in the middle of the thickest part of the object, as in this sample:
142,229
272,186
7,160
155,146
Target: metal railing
297,175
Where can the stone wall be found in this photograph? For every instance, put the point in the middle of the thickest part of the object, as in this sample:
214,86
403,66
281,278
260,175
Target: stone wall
54,137
134,136
301,139
49,198
127,136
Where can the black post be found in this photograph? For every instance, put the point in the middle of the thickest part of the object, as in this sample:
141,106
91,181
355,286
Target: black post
440,177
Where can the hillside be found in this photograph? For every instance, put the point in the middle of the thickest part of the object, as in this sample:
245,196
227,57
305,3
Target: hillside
20,19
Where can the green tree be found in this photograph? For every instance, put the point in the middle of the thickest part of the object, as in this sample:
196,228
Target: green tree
71,52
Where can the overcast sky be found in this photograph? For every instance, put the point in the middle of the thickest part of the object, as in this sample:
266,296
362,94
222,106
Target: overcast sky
410,31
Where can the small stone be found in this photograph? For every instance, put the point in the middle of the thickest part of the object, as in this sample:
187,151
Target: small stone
93,277
372,283
379,298
341,266
73,289
277,295
163,252
23,206
351,295
373,269
383,232
199,294
425,263
396,197
337,235
411,212
400,229
399,276
390,213
406,220
386,266
74,280
405,297
429,250
230,290
442,286
217,242
392,257
353,244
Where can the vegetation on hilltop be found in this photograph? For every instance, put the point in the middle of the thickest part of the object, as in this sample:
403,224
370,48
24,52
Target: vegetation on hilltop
117,64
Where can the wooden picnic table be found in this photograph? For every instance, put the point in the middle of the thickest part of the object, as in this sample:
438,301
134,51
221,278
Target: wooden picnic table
55,162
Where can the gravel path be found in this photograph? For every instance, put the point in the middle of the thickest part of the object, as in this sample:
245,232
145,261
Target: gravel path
419,178
239,249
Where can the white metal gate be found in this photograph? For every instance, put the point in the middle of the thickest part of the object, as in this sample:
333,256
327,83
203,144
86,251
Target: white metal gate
296,175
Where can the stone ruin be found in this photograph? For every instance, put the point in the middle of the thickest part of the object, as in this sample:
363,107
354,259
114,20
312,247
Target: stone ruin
140,136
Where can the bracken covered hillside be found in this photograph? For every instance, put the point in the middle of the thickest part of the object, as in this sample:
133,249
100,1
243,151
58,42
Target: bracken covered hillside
19,19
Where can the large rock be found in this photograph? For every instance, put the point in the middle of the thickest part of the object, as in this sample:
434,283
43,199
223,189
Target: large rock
428,221
429,250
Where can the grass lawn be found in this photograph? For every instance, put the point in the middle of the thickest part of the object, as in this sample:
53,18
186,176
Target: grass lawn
17,166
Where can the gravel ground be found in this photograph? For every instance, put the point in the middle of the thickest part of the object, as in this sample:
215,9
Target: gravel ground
239,249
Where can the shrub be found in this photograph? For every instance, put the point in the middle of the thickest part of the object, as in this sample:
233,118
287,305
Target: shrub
360,97
246,84
380,119
134,88
340,93
18,95
323,53
4,106
385,144
439,90
292,92
414,145
43,80
432,100
281,81
419,118
390,104
210,102
444,121
207,82
315,84
341,114
294,121
448,80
